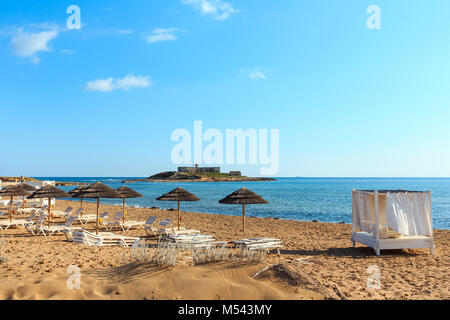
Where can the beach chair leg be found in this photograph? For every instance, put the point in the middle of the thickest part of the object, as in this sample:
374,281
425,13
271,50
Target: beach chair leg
377,251
432,249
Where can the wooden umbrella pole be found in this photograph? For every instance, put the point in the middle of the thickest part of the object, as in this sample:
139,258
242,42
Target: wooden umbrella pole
98,204
10,210
178,215
243,217
81,205
123,210
49,211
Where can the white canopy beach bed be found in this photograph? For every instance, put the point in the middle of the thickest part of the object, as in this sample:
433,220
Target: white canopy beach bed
392,219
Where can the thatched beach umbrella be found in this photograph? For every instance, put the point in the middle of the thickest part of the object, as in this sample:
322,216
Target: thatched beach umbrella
178,194
243,196
28,188
13,191
97,190
125,193
49,192
79,191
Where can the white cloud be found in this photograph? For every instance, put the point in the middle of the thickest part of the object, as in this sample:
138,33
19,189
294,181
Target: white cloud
255,73
161,35
126,83
103,85
218,9
28,44
67,51
132,81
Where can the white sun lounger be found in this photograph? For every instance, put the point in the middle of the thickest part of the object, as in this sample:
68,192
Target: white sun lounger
64,213
103,239
35,227
85,218
60,228
104,218
193,241
4,203
5,224
125,226
259,243
148,225
188,237
26,210
165,230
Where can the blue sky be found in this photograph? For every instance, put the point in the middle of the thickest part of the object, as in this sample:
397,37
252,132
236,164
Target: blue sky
105,99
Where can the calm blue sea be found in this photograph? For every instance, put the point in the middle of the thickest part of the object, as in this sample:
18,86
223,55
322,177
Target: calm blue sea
323,199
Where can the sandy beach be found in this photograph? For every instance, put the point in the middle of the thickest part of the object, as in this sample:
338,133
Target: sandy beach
317,262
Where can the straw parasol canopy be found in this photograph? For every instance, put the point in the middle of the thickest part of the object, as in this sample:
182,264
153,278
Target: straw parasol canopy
243,196
178,194
28,188
125,193
49,192
79,190
97,190
13,191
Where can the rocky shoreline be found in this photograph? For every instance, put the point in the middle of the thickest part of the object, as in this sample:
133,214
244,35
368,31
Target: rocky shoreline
173,176
243,179
11,180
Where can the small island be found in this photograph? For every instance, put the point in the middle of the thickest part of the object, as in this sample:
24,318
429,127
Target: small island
198,174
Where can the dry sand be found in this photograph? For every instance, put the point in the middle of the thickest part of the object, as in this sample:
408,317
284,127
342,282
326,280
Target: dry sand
317,262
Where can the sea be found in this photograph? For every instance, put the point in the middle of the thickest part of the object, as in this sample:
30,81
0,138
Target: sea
306,199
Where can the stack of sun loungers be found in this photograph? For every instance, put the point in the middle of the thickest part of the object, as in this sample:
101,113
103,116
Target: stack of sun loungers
193,241
259,243
103,239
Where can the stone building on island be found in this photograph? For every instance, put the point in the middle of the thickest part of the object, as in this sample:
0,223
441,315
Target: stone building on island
197,169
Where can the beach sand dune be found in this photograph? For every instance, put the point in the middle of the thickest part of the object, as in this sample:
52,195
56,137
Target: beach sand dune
317,261
217,281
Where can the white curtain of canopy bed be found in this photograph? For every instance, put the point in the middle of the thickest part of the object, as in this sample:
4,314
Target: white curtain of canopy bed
407,213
